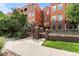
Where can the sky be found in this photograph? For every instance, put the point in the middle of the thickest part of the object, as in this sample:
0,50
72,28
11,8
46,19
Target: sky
6,7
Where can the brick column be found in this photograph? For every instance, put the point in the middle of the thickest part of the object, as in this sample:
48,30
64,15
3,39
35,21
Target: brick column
36,32
56,28
41,29
46,33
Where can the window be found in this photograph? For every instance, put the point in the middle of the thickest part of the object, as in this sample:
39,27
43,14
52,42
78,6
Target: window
26,15
25,9
33,14
32,3
60,7
54,8
60,17
53,18
21,10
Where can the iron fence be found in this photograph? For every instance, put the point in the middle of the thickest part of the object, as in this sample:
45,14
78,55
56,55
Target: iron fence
67,31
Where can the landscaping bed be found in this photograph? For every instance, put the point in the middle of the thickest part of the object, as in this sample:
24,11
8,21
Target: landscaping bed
68,46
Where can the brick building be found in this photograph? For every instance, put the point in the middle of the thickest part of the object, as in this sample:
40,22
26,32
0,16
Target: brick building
57,15
52,16
32,11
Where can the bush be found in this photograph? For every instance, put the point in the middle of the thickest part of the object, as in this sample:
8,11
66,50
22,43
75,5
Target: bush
2,42
18,34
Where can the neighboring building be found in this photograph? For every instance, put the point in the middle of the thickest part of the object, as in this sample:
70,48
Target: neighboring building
52,16
57,15
31,10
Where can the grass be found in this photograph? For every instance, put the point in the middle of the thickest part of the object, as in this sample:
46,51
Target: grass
68,46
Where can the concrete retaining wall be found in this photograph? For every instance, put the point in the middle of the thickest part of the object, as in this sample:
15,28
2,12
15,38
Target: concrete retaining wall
60,37
64,38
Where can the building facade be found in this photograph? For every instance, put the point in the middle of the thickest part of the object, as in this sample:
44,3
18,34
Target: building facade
57,16
52,16
32,11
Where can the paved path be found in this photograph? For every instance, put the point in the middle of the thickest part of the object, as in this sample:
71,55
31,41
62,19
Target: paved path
29,47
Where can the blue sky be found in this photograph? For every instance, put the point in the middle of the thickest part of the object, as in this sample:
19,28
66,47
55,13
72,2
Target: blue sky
6,7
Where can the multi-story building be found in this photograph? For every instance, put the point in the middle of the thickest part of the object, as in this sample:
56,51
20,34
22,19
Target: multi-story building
52,16
32,11
57,15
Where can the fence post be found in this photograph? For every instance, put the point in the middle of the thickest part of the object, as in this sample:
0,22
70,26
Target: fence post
46,33
36,32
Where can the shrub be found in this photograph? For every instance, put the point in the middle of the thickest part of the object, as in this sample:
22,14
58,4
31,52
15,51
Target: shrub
18,34
2,42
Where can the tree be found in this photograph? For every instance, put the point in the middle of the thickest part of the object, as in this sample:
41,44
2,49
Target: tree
18,21
72,13
3,23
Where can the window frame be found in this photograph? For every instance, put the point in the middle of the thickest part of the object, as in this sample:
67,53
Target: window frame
54,8
60,17
54,18
33,14
25,9
60,6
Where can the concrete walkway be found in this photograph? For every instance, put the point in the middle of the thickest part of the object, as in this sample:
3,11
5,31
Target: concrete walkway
29,47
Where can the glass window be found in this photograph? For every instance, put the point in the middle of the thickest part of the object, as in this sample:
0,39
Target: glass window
25,9
60,17
26,15
54,18
60,7
33,14
54,8
21,10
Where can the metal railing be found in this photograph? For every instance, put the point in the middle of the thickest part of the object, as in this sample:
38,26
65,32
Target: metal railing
67,31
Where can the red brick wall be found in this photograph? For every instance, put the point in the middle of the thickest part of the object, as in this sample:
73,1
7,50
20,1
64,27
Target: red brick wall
62,12
32,8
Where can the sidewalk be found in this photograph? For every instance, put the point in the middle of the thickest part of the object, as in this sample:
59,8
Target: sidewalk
29,47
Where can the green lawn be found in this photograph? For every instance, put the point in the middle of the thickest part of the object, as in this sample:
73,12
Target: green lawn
68,46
